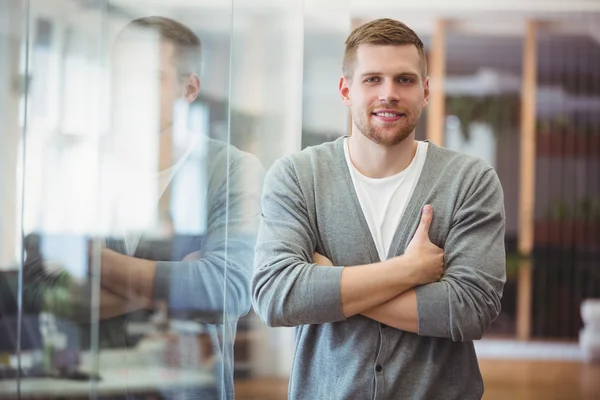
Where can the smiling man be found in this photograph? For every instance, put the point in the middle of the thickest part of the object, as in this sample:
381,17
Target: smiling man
387,253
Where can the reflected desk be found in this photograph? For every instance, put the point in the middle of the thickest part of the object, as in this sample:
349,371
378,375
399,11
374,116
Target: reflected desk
132,372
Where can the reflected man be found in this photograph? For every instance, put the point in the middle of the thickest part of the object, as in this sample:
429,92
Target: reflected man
180,212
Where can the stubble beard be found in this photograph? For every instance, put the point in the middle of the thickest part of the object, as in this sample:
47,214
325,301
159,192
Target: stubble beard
379,136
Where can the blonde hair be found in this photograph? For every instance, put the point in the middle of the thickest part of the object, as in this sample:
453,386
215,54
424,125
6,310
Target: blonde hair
384,31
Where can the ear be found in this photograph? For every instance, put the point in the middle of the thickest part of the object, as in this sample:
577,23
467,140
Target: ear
192,87
426,91
344,88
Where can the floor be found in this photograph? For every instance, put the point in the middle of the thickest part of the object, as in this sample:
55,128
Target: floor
503,379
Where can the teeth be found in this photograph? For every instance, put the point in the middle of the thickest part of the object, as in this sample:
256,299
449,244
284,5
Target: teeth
387,115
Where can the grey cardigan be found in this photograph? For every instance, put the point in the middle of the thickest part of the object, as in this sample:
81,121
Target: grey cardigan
309,204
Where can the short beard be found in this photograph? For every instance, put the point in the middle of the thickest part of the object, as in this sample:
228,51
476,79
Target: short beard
375,136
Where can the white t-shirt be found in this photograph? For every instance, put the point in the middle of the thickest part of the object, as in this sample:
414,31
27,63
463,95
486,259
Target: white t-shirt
384,200
130,207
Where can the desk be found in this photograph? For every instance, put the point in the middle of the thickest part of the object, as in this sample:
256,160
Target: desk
133,371
114,383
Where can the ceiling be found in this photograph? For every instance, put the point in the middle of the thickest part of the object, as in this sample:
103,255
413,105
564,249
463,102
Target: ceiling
482,34
335,15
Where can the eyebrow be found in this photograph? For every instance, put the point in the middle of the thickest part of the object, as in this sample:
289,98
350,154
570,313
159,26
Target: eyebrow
413,74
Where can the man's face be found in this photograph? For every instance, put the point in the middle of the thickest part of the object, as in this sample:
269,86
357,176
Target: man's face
387,92
172,84
146,83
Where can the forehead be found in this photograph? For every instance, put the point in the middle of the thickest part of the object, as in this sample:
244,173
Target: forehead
143,51
387,59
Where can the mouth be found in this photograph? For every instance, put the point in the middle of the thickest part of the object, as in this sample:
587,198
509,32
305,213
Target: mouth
388,115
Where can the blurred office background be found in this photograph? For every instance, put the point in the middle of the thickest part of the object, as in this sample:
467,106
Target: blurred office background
516,83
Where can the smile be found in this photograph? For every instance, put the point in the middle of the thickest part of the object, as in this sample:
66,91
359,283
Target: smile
389,115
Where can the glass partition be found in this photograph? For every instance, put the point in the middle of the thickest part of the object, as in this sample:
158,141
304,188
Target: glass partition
19,341
139,209
135,137
566,249
266,120
483,97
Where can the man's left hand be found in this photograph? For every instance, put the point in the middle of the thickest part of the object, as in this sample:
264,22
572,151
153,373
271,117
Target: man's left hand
320,259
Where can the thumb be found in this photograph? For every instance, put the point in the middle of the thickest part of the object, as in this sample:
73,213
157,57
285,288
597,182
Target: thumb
425,223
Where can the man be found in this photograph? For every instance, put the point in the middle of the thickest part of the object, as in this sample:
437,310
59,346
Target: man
407,240
181,211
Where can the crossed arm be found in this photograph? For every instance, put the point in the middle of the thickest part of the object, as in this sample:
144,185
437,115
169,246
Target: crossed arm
399,312
289,289
197,281
423,262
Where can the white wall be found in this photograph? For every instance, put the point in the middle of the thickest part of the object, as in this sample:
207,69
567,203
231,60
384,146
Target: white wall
10,42
267,76
323,107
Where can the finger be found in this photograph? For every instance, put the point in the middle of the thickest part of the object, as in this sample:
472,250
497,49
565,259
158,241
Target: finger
320,259
317,258
425,223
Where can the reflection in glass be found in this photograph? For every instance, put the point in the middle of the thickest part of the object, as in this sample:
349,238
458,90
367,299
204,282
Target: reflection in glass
483,84
139,227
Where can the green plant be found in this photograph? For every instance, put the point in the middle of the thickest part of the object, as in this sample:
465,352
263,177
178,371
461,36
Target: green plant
560,211
514,260
587,209
501,112
559,123
57,294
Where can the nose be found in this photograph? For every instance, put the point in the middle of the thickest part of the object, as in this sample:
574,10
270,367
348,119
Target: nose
388,93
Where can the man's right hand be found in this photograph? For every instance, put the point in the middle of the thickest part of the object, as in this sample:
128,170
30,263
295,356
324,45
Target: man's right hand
366,286
426,259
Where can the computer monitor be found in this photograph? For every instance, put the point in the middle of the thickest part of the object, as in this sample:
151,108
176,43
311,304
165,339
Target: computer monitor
68,252
9,316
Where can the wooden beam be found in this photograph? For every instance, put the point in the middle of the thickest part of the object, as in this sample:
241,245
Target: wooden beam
527,179
436,115
524,300
527,169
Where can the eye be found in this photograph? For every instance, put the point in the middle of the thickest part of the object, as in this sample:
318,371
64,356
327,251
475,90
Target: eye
372,79
405,80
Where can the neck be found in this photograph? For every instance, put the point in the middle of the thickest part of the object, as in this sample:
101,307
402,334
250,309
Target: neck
169,152
378,161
